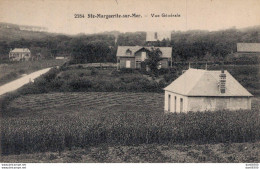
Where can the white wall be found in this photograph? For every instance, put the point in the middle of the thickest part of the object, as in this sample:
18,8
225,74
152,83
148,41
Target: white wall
218,103
172,104
206,103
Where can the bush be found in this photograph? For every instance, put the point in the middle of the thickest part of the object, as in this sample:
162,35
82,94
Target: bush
50,75
80,84
94,71
128,70
162,83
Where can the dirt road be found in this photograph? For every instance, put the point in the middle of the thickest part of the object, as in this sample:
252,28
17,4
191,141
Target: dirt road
11,86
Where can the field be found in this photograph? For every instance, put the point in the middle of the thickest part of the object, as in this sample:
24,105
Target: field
156,153
14,70
123,127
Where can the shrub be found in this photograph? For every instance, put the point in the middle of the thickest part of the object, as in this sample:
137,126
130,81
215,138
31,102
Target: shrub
79,84
94,71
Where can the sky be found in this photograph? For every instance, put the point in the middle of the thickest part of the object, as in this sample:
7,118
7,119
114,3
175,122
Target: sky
58,15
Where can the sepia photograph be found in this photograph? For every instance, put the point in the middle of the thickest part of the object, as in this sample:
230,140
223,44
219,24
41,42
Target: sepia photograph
118,81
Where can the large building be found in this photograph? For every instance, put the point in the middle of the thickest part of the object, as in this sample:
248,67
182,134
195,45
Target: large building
133,56
158,36
20,54
248,49
204,90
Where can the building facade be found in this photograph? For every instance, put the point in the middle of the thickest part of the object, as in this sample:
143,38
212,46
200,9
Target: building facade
158,36
134,56
203,90
20,54
248,49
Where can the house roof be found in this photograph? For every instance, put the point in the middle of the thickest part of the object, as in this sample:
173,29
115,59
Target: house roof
248,47
198,82
20,50
121,51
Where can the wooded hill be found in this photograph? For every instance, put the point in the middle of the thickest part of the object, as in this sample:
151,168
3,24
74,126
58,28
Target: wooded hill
190,45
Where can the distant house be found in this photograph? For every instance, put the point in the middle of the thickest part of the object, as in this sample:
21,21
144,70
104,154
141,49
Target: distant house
158,36
60,58
20,54
248,49
133,56
202,90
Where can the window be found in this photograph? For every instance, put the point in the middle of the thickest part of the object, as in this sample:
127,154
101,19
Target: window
175,103
160,65
155,35
181,105
143,56
128,52
138,64
169,102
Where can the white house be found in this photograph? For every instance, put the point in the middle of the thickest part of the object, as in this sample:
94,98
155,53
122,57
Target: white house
20,54
202,90
158,36
248,49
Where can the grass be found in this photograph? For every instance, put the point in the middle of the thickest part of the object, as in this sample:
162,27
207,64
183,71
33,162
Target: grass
14,70
62,121
155,153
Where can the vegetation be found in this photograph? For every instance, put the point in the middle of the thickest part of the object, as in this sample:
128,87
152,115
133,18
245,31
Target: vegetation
76,78
13,70
60,121
187,46
153,60
37,119
147,153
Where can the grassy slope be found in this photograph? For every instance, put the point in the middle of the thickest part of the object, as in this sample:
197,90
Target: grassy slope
14,70
176,153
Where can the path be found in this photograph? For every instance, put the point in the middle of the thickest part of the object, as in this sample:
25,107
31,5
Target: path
11,86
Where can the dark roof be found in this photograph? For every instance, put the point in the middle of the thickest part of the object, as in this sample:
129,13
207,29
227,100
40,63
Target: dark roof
248,47
198,82
122,51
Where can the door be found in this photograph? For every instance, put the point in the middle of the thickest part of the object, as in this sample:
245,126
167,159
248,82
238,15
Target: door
127,64
138,64
169,103
181,105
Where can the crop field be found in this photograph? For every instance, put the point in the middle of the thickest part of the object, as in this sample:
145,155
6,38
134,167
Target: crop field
42,103
156,153
59,123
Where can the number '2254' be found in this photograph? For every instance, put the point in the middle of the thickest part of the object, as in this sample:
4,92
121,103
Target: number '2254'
79,16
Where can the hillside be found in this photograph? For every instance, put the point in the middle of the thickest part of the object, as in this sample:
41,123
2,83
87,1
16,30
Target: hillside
187,46
13,32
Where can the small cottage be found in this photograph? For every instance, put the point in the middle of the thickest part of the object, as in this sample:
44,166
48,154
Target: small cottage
206,90
133,56
20,54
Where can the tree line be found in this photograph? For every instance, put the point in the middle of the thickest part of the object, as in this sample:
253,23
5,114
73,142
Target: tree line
187,46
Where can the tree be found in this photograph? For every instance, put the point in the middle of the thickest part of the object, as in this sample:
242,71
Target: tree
154,57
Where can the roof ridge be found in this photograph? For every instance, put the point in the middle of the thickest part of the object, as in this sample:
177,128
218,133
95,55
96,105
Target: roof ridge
194,84
238,84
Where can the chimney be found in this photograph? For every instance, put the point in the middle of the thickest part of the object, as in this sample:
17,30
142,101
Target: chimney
222,82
